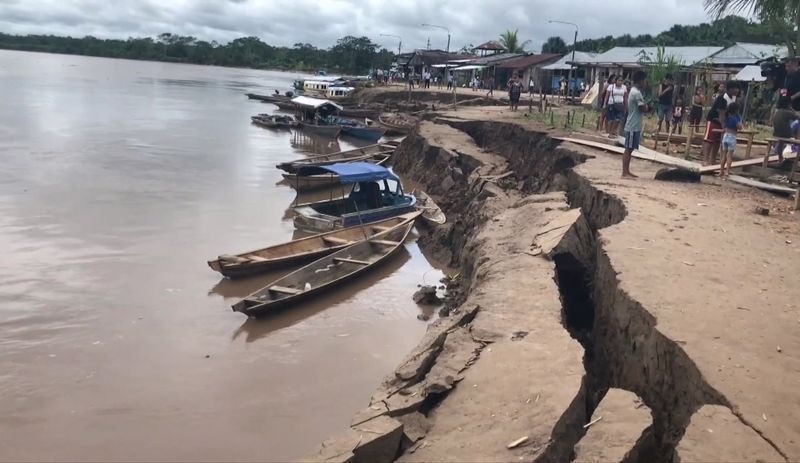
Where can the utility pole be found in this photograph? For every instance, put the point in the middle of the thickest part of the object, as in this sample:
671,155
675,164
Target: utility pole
574,43
447,61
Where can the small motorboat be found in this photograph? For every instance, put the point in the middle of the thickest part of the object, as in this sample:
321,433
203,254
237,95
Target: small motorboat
364,130
301,250
315,182
371,198
323,130
326,273
357,154
274,121
431,212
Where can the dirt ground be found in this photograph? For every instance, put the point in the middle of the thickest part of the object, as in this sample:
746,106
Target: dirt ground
694,311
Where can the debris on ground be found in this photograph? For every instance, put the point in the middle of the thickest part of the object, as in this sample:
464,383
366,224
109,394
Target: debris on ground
426,295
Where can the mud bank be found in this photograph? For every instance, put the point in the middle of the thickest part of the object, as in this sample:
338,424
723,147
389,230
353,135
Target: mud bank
545,324
398,98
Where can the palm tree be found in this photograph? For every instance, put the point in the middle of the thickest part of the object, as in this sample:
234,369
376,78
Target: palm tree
510,42
784,15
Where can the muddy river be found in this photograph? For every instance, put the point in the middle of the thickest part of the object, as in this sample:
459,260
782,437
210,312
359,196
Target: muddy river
119,179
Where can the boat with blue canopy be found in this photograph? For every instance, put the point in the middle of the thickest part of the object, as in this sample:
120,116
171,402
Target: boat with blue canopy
375,193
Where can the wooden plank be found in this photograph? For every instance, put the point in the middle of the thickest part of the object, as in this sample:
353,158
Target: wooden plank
641,153
257,258
285,289
385,242
761,185
350,261
746,162
379,228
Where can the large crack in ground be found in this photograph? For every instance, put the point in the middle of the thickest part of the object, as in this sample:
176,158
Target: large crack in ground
623,349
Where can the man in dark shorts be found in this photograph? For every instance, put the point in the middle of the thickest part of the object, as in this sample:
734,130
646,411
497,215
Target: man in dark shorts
714,120
514,92
788,104
665,95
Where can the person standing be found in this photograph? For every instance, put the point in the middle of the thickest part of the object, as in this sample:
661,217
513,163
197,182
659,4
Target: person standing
450,81
696,113
788,103
530,86
603,90
677,116
491,87
615,102
733,123
633,124
514,92
665,93
714,122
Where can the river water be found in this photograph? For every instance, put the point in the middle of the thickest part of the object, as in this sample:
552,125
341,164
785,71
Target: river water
119,179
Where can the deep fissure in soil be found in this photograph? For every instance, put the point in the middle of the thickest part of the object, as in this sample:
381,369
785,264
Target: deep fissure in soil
622,347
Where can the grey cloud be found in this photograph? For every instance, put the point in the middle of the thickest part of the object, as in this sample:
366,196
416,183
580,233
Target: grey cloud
322,22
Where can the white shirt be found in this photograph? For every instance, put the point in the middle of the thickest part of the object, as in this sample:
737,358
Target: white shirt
616,95
728,98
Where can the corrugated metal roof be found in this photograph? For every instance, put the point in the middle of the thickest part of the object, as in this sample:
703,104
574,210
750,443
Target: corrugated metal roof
530,60
581,57
633,55
493,59
313,102
747,53
490,45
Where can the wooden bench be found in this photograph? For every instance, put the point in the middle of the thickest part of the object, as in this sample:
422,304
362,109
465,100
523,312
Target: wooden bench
335,240
350,261
285,290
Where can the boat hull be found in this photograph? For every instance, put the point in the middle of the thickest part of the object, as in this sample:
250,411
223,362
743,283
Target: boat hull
357,154
249,268
324,274
366,133
330,131
307,218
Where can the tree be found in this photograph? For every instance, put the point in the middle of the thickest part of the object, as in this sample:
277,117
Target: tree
782,15
660,65
510,42
554,45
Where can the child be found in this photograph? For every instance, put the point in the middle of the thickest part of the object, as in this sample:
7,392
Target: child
733,123
677,115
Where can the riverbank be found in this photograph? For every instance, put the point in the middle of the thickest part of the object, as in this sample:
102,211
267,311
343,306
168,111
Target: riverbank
577,285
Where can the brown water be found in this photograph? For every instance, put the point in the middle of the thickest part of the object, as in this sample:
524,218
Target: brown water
118,180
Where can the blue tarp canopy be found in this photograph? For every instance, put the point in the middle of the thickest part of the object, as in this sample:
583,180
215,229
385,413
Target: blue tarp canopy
351,172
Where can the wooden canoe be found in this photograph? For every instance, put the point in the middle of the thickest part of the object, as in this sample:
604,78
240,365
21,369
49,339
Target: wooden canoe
316,182
330,131
325,273
301,250
431,211
356,154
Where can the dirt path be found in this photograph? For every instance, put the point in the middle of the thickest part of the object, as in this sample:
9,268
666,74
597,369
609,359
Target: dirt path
578,283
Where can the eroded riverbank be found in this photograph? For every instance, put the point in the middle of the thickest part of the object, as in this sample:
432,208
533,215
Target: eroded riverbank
576,283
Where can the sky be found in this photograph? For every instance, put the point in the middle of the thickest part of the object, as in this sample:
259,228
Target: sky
321,22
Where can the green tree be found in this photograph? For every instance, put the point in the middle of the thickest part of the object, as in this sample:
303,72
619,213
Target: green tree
554,45
782,15
353,54
659,65
510,41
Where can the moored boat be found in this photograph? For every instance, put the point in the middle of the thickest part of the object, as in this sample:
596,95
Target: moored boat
371,198
431,212
323,130
327,180
325,273
301,250
356,154
274,121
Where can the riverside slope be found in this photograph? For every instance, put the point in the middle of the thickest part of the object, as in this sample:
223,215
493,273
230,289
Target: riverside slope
636,285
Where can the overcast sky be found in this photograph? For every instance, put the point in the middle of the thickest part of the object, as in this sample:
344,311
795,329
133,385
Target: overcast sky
321,22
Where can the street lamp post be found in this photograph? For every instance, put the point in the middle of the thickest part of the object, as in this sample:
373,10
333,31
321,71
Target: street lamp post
574,42
447,59
399,43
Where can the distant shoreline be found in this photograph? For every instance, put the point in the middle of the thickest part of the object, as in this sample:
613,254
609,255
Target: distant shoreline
299,71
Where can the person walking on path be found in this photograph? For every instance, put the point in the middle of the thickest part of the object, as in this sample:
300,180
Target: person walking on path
514,92
633,124
714,123
696,113
615,102
491,87
450,81
665,94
